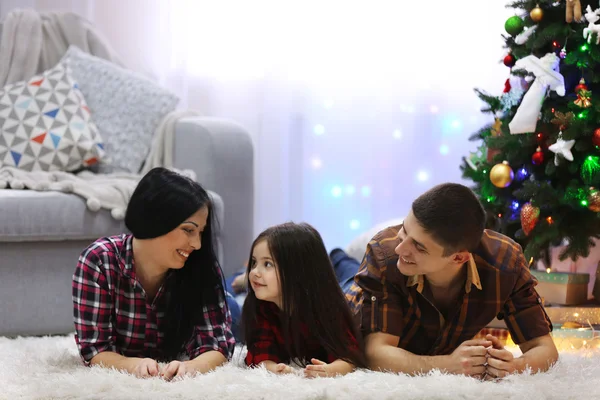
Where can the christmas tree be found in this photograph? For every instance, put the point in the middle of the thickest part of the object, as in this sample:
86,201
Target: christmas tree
537,170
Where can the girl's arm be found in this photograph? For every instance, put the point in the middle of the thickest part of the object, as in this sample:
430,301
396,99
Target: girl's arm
276,368
263,346
205,362
319,368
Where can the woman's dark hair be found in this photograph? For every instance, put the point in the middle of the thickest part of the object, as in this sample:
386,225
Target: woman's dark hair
162,200
310,293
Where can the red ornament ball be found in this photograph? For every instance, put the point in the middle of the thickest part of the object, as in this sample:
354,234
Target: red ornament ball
581,86
509,60
596,137
537,158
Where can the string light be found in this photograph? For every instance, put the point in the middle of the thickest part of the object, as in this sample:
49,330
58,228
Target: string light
316,163
336,191
455,124
354,224
590,167
423,176
522,173
550,220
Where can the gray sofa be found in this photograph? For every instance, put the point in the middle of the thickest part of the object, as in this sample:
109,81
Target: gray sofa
43,233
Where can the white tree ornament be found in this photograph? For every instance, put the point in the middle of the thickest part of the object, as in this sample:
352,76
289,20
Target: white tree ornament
563,148
547,77
592,17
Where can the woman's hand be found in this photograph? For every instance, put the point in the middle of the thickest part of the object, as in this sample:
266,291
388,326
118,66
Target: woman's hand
177,369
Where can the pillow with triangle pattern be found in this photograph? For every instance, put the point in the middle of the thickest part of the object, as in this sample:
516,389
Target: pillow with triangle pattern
45,124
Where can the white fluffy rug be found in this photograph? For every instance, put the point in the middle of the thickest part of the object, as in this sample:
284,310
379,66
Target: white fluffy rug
49,368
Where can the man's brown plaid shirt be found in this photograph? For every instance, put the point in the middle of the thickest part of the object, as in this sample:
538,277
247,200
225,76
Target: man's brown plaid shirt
498,284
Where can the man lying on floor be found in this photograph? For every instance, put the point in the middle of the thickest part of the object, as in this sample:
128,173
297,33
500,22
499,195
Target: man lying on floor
425,288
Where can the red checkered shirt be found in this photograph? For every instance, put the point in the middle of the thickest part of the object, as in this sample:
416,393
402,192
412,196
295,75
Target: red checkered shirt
111,313
498,284
268,342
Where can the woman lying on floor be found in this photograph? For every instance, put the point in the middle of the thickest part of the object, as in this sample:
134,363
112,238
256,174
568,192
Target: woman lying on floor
155,295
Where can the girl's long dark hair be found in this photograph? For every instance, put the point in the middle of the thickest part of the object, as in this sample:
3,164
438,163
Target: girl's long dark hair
310,293
162,200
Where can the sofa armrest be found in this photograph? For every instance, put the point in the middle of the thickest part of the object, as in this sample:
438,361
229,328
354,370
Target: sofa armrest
221,154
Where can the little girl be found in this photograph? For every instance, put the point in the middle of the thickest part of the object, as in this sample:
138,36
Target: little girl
295,310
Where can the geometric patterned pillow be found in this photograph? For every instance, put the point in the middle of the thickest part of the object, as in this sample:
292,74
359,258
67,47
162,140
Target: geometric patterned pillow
45,124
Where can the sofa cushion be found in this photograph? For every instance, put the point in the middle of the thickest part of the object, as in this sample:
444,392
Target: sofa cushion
126,106
45,124
28,215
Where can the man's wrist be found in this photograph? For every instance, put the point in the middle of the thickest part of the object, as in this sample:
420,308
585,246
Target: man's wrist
520,364
443,363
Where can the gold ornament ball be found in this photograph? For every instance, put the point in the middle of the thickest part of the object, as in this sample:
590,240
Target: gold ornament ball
594,200
501,175
536,14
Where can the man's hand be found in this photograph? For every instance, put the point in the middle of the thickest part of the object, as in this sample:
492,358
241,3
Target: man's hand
469,358
500,362
176,369
144,367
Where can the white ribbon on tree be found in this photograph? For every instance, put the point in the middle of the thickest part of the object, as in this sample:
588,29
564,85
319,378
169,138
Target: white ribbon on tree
547,77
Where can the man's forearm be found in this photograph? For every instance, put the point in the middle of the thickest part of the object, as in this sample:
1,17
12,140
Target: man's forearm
539,359
395,359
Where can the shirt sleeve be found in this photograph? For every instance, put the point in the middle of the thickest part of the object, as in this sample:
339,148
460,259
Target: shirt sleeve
374,298
351,343
92,307
523,311
215,333
264,345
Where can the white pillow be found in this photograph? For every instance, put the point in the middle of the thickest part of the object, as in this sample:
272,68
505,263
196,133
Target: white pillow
357,247
126,107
